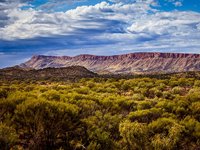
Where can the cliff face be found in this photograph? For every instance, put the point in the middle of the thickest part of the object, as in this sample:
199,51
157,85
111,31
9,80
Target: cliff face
127,63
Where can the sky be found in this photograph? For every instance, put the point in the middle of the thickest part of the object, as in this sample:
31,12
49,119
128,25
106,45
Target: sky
99,27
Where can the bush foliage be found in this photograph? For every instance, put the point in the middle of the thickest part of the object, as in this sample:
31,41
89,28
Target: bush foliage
101,114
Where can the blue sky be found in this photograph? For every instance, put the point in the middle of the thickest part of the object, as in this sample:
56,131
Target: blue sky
109,27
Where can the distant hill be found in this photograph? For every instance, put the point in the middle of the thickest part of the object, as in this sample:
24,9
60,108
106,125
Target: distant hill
122,64
72,72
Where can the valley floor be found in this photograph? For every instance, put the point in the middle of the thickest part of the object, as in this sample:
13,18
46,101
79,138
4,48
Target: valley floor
143,113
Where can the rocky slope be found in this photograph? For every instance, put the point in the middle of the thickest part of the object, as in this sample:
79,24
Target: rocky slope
127,63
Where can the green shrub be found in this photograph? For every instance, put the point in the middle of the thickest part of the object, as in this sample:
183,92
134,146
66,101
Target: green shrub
8,137
145,115
135,135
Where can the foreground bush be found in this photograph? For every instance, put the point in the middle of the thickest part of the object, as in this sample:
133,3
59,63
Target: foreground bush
96,114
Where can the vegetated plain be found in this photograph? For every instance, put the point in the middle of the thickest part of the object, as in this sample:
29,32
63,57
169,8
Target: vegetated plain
104,113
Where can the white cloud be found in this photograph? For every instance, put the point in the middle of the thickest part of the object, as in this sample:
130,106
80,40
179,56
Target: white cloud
132,26
52,5
31,23
198,26
154,3
178,4
172,23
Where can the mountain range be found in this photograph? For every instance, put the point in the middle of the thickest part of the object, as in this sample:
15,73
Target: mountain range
121,64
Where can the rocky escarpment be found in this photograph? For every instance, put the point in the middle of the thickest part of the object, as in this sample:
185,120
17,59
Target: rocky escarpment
127,63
